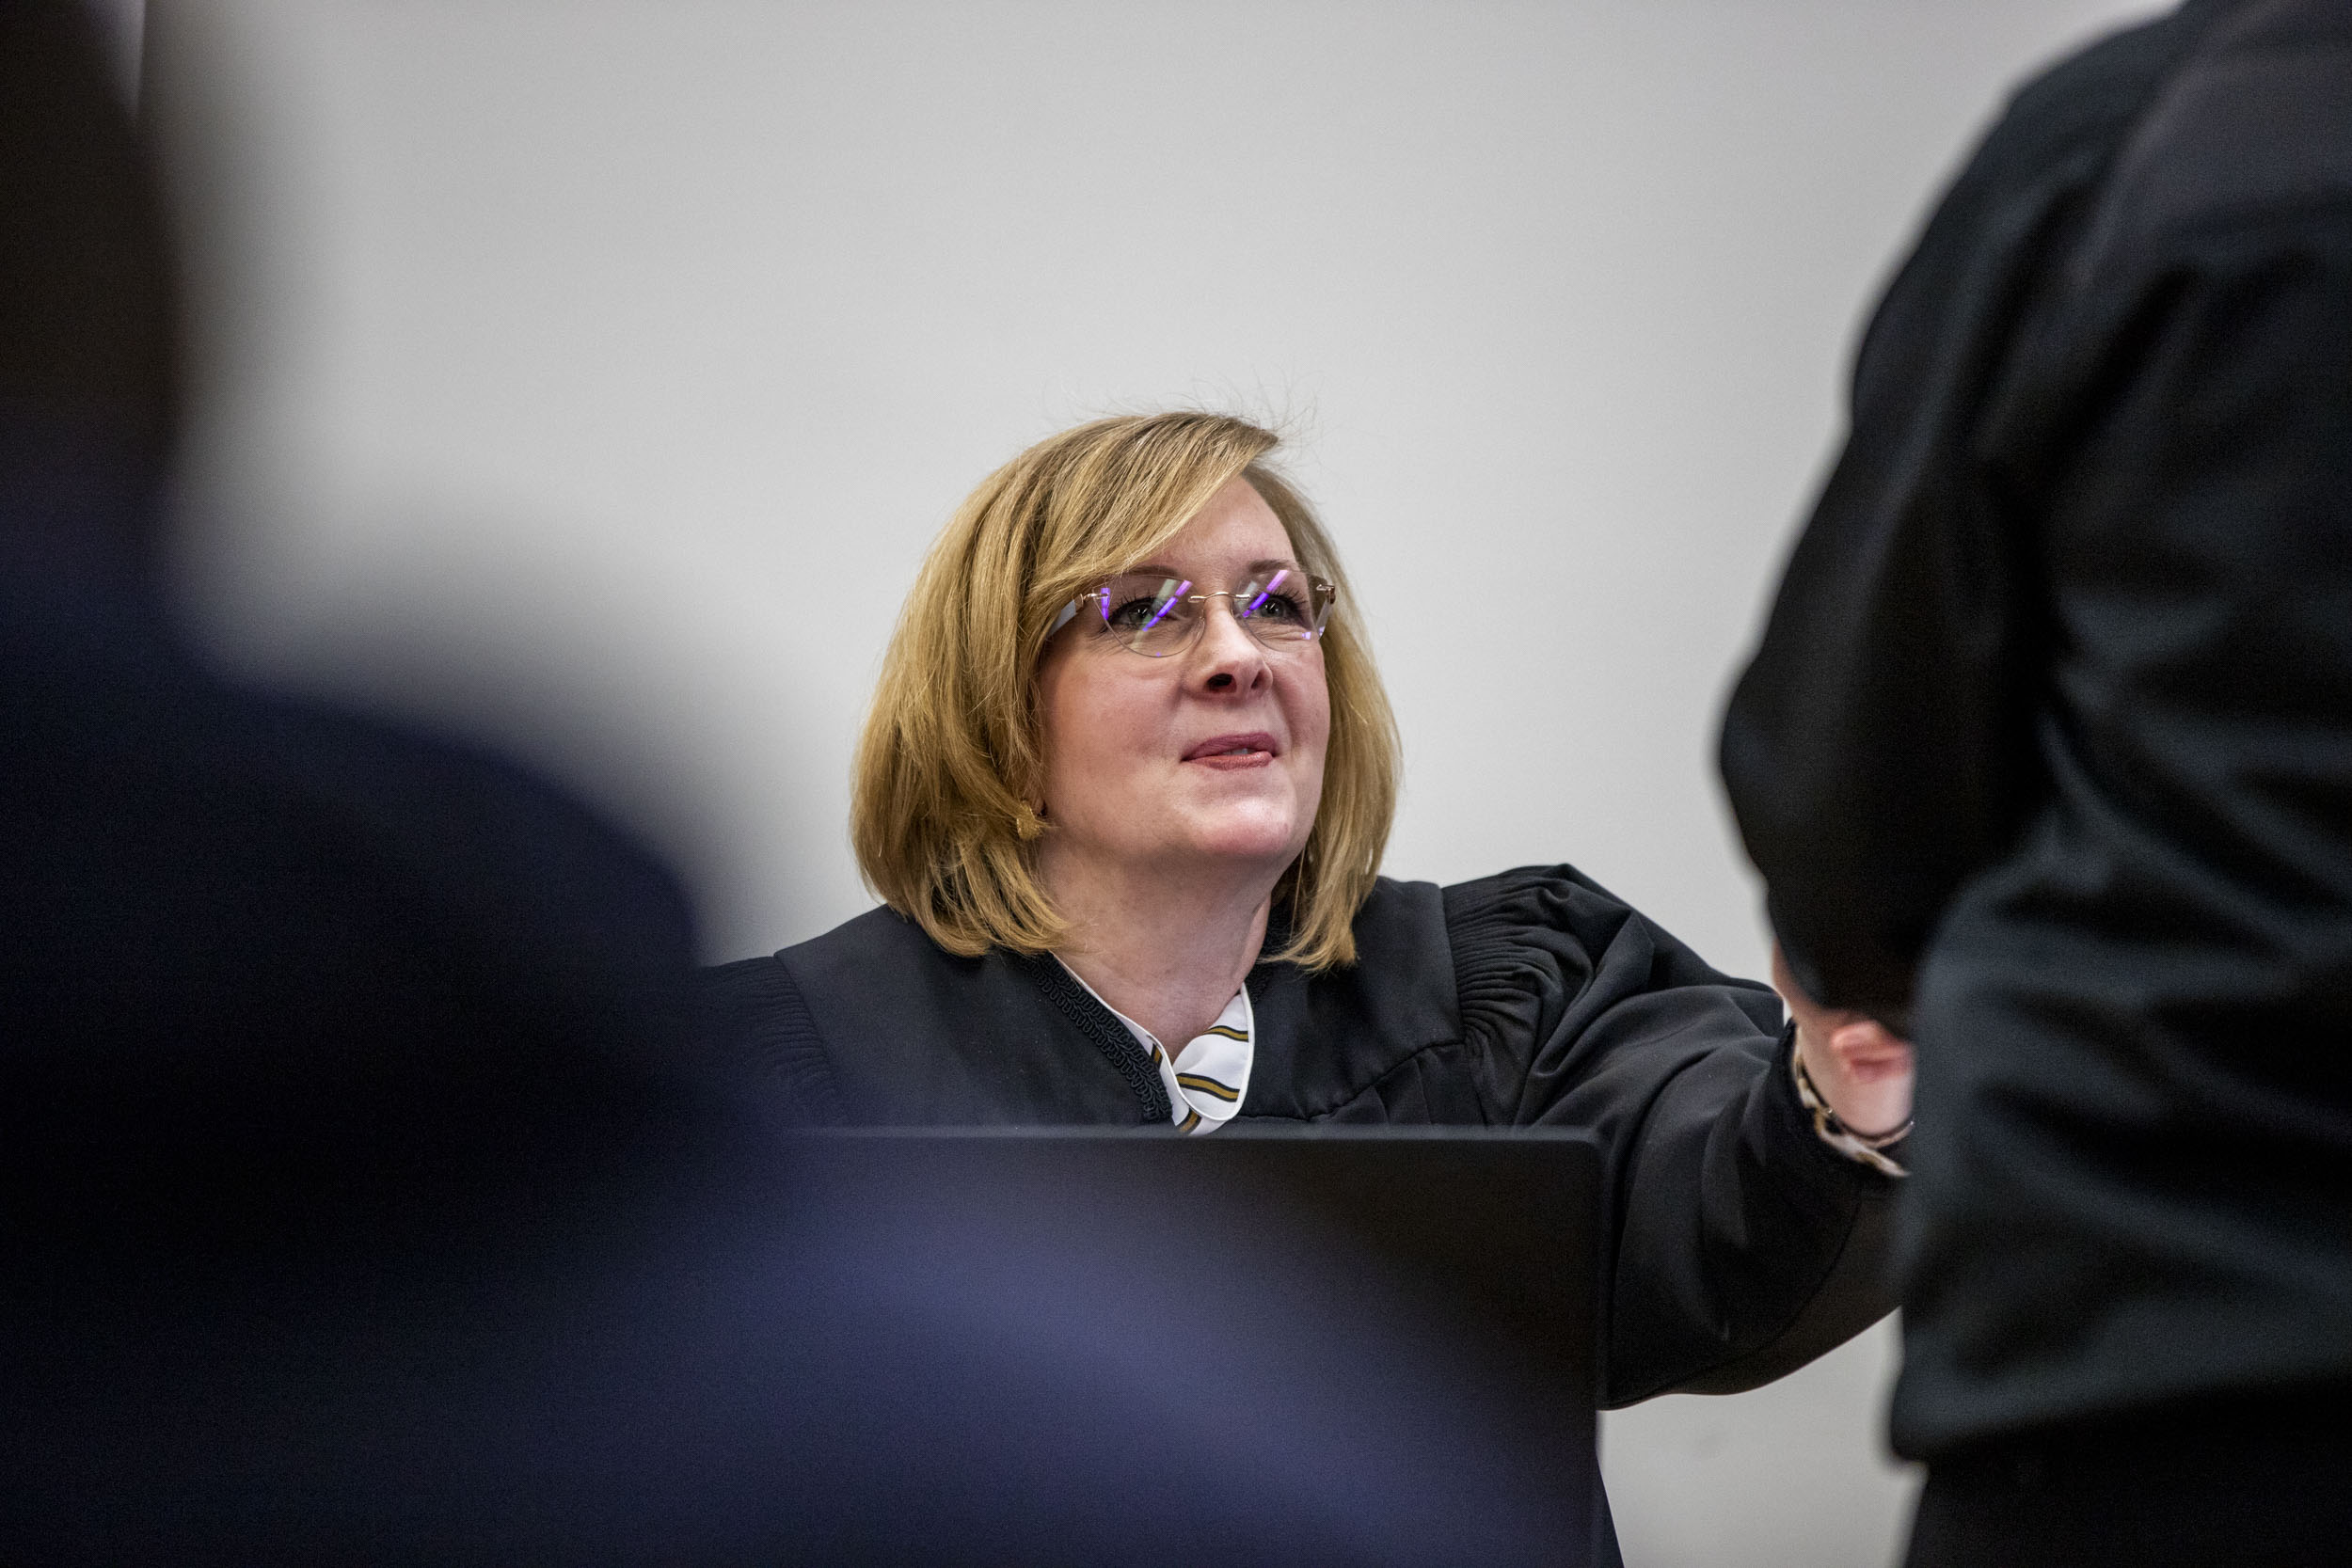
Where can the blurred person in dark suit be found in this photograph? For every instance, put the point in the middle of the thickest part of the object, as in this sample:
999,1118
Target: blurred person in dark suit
303,1014
363,1195
2046,756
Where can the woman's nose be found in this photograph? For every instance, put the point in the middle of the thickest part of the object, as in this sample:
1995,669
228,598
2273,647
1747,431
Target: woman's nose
1226,658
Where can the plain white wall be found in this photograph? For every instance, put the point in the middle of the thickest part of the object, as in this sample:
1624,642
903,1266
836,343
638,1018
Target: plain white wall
592,375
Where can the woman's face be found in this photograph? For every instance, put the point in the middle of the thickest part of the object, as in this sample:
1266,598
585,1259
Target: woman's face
1209,760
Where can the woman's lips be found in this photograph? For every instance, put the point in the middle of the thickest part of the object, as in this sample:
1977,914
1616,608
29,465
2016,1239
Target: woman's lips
1226,751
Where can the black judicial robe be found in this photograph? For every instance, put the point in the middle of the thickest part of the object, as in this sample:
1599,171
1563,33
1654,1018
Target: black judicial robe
1740,1245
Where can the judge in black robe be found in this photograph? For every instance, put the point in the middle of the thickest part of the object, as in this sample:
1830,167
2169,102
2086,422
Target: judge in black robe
1743,1233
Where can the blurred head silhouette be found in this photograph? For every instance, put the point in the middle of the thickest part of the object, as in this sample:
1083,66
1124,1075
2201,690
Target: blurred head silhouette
323,1039
89,348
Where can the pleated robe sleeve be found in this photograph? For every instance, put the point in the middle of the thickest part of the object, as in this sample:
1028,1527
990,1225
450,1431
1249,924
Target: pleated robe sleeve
1737,1246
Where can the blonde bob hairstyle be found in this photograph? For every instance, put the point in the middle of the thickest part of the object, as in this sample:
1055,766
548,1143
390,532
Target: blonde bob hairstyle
953,752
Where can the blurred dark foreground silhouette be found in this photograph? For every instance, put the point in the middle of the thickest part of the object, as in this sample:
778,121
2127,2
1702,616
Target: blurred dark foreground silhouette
364,1196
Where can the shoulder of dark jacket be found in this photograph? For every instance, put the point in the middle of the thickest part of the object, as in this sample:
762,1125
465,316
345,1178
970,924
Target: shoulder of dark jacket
2050,145
486,857
2254,125
756,1019
915,1034
1496,924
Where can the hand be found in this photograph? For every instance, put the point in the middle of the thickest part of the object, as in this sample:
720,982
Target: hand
1863,1070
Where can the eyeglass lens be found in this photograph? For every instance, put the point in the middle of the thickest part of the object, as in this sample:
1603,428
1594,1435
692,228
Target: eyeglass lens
1158,615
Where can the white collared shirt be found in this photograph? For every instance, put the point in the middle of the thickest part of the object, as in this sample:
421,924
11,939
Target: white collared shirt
1208,1079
